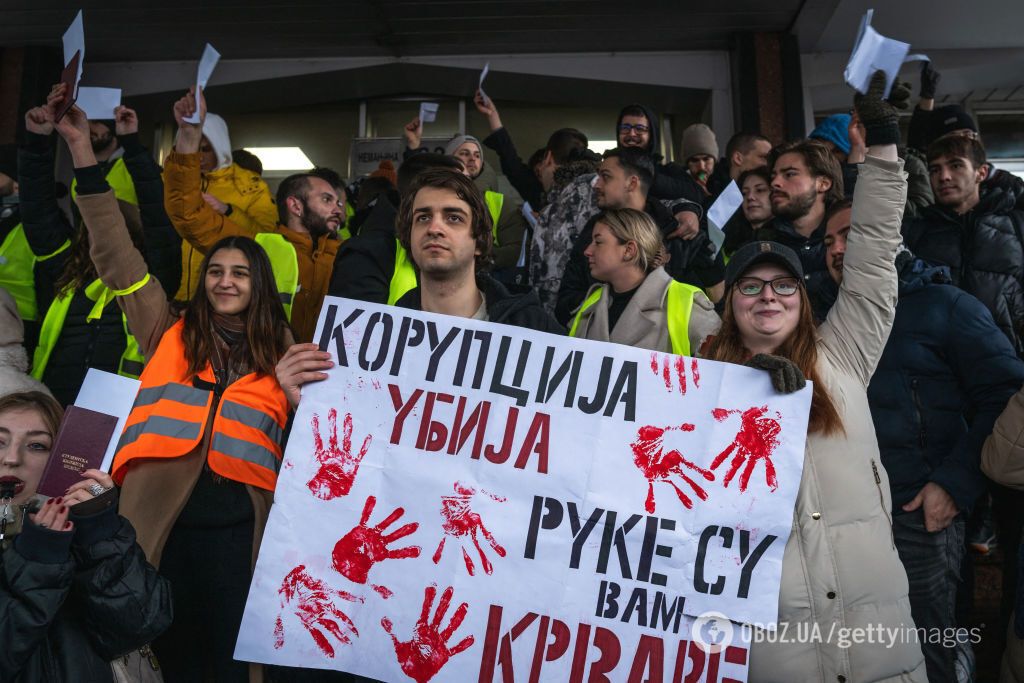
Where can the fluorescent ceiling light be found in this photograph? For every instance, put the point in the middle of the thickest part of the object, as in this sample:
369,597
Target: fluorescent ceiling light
282,158
602,146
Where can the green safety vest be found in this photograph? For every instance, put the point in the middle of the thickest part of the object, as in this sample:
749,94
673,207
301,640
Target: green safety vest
678,306
17,268
285,264
346,233
403,279
132,360
120,182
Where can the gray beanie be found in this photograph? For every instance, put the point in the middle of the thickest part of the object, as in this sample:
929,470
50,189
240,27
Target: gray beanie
699,139
459,141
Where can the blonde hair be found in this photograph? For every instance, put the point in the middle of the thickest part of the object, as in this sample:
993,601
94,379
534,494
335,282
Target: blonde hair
630,225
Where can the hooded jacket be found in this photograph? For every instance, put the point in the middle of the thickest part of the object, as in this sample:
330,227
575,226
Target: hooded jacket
72,602
671,181
202,227
945,376
984,250
521,310
250,204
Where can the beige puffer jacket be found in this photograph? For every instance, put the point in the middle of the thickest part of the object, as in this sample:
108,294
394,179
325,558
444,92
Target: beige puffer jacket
840,569
1002,460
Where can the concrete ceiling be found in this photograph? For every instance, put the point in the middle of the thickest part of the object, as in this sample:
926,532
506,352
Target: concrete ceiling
137,30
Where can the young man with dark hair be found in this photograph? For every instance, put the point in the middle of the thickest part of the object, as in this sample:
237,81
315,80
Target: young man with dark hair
805,181
623,181
444,225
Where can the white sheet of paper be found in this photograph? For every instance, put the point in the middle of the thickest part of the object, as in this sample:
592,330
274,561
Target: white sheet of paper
532,220
112,394
74,41
207,63
873,52
721,211
428,112
98,103
483,75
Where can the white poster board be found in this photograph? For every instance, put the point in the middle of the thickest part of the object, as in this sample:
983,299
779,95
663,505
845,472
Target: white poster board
463,501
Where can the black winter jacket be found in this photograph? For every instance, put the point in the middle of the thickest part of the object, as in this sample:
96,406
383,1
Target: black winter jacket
984,251
519,175
70,603
943,379
365,264
520,310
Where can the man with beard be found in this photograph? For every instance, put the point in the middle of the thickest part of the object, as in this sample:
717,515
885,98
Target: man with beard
805,181
110,156
623,182
303,245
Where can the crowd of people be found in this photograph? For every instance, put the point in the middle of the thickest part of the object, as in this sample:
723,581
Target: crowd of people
890,275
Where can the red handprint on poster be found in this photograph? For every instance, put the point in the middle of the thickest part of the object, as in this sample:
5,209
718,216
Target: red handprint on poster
313,602
658,466
364,546
427,652
757,439
338,465
459,521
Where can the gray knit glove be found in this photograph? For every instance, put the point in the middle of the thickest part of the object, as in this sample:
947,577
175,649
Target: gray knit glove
881,117
786,376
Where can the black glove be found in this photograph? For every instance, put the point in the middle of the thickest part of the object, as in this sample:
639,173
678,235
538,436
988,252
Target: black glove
880,117
929,81
786,376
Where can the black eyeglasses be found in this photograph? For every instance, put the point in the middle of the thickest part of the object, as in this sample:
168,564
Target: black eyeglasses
752,286
638,127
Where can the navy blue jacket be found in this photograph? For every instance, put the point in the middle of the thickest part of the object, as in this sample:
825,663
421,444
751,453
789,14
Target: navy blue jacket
946,374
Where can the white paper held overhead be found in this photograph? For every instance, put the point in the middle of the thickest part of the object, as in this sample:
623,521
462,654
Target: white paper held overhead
480,85
207,63
428,112
98,103
74,41
874,52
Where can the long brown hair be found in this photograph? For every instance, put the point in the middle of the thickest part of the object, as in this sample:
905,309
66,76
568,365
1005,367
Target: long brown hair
265,321
800,347
79,270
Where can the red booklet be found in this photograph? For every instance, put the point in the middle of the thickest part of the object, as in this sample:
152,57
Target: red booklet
69,76
81,442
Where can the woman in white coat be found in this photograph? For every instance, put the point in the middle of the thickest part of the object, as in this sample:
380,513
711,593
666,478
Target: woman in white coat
841,575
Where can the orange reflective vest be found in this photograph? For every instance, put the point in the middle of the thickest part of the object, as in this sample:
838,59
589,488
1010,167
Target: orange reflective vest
170,415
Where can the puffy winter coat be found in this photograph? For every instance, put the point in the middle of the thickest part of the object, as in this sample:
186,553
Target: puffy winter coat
73,602
984,252
840,568
945,376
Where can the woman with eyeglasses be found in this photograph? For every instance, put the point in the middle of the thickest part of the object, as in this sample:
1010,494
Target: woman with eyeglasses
638,303
840,568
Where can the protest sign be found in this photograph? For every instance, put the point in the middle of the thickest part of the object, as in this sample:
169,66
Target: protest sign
464,501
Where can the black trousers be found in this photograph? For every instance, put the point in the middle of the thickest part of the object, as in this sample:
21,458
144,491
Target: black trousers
210,570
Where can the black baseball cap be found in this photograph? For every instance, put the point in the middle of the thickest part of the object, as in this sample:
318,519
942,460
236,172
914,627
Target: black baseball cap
752,253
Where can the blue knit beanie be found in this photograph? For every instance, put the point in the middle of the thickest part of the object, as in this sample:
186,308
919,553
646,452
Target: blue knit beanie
834,129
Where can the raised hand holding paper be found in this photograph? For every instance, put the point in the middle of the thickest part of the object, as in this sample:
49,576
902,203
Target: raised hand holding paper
207,63
874,52
98,103
480,85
